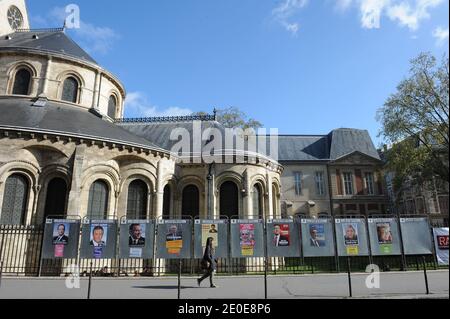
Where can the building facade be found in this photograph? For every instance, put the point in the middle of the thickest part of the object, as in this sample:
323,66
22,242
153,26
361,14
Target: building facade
65,149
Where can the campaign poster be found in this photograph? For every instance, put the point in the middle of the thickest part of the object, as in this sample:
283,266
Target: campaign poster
210,231
317,235
174,239
351,240
281,235
441,240
247,239
136,239
98,239
385,238
61,233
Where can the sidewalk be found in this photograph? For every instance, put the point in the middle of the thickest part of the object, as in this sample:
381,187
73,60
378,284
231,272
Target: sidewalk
400,285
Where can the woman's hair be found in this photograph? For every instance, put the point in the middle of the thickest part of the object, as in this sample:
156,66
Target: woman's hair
209,241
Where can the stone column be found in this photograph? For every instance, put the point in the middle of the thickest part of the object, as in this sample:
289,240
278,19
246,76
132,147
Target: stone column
44,87
159,191
73,207
269,211
96,90
248,205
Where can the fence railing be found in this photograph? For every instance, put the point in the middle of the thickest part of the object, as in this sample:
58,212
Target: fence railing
21,250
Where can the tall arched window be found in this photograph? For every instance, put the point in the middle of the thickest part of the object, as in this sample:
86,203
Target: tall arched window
55,203
137,200
22,82
98,200
275,201
15,200
229,199
257,202
70,90
112,105
166,201
191,201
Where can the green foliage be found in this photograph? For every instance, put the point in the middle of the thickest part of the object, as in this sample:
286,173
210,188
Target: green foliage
415,122
232,117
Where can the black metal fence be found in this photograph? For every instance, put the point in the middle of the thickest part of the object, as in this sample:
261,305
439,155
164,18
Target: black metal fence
20,255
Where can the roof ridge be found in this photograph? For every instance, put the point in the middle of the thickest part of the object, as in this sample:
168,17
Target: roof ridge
165,119
39,30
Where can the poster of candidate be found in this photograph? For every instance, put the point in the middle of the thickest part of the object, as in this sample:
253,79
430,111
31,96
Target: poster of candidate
174,239
441,241
61,233
281,235
351,239
137,235
247,239
385,238
317,235
210,230
98,239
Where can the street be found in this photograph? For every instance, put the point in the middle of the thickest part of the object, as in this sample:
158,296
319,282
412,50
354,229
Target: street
392,285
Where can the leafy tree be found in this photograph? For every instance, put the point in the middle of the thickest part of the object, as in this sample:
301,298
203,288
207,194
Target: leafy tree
232,117
415,122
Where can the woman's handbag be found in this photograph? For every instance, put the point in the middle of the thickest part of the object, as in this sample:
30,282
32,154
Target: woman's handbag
204,264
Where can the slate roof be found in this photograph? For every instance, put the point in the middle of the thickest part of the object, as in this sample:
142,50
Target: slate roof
337,144
303,148
66,120
60,118
346,141
53,41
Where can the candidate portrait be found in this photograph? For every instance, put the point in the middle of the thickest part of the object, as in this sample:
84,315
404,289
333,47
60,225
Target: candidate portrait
314,240
137,235
279,239
98,236
59,234
174,234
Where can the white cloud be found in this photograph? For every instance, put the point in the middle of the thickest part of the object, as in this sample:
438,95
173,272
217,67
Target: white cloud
283,13
138,105
343,5
407,13
441,35
371,11
410,16
92,38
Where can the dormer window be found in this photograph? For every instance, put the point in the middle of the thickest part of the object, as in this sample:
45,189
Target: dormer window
70,90
22,82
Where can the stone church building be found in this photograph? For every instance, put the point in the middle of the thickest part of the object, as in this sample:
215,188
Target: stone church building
65,149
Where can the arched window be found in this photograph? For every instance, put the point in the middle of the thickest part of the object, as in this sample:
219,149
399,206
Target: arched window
257,202
55,202
22,82
98,200
112,105
191,201
70,90
137,200
15,200
229,199
166,201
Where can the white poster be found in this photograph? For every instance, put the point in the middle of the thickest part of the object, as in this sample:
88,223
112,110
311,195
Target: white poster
441,241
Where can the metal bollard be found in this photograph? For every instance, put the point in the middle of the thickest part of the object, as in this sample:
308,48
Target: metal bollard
425,275
179,280
90,283
349,277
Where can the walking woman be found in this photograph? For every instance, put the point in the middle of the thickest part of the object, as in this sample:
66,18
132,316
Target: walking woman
210,262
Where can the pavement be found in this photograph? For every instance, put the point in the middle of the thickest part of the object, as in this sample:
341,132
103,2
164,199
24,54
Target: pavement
397,285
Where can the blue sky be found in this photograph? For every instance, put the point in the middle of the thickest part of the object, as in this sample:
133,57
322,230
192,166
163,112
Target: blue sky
302,66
